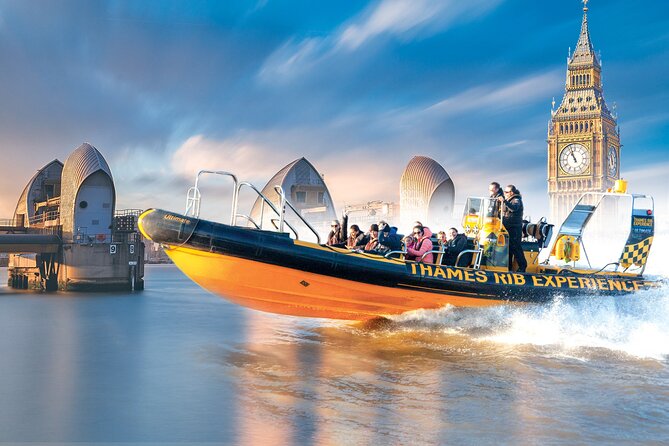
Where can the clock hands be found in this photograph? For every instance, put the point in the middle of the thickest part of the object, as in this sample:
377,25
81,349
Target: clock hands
573,156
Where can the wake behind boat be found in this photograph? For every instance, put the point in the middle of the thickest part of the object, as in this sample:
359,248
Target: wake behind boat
275,271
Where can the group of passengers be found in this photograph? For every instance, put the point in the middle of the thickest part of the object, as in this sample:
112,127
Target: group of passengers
383,238
419,246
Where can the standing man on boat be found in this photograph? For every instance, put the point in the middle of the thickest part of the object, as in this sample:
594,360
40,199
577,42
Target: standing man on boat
512,219
495,191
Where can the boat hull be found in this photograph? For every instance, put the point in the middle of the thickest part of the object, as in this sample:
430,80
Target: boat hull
289,291
270,272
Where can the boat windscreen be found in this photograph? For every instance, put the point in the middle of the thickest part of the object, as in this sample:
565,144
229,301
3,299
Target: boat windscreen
606,227
577,219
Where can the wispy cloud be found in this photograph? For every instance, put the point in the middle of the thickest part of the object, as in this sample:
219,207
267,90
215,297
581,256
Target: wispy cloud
495,97
644,123
406,19
238,155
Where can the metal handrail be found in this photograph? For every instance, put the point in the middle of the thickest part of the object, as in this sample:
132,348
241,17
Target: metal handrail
477,260
193,201
249,219
271,206
194,198
434,251
388,254
285,202
276,226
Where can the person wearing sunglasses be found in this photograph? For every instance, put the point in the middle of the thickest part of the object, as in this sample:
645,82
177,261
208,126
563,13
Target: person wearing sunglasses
512,219
421,245
337,236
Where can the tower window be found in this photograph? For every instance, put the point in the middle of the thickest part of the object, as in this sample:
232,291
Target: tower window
301,197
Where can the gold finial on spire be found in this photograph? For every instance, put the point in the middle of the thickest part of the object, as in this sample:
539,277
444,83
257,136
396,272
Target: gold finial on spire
585,5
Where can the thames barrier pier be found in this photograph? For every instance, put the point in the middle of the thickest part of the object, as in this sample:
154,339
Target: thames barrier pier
66,233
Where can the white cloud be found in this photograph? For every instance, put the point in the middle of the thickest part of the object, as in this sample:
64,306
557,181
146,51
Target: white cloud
390,17
292,58
401,17
398,18
494,97
247,160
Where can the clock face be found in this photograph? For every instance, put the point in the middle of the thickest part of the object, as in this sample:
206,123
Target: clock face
613,161
575,159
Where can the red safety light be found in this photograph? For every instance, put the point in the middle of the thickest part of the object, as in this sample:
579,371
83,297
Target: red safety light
649,212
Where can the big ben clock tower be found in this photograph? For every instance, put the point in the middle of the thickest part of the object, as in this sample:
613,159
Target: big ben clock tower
583,138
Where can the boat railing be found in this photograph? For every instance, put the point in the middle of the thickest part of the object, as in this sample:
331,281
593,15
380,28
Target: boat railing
249,219
194,199
477,259
284,202
276,223
194,196
389,255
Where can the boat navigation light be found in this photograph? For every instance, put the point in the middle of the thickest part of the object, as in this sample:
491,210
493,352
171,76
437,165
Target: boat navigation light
649,212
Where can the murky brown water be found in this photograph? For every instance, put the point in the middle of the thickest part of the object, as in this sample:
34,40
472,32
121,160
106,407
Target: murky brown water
175,364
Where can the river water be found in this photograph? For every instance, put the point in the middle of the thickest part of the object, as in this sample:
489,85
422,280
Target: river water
175,364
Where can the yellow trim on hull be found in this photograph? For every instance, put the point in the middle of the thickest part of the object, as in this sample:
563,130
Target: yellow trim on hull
277,289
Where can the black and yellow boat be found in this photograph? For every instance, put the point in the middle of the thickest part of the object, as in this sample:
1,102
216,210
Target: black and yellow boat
274,272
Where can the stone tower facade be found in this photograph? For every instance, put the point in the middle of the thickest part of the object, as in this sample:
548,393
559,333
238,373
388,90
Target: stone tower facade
583,135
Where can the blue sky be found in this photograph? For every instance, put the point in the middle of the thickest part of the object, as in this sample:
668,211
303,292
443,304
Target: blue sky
164,88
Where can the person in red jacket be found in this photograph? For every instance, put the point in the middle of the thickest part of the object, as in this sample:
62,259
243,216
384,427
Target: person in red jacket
421,245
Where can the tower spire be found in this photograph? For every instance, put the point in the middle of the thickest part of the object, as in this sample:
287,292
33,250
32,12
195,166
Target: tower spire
584,53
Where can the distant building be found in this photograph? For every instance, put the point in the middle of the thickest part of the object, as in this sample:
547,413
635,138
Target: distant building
427,194
306,190
365,214
74,203
88,197
40,200
154,253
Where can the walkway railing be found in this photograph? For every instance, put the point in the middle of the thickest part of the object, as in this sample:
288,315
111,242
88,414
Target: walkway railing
51,216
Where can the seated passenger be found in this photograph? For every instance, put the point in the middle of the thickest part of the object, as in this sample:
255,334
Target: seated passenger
337,235
389,240
357,239
453,244
373,238
421,245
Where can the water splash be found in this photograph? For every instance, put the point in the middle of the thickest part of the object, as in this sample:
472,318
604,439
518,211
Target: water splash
636,325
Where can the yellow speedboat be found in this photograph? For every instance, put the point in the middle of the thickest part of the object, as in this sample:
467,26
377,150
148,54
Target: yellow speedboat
271,271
